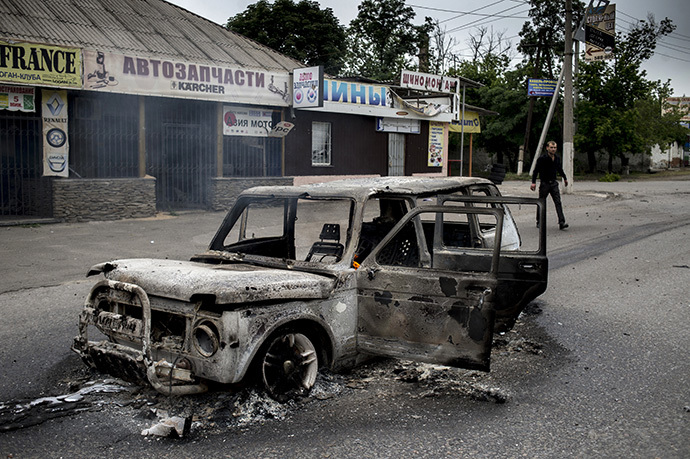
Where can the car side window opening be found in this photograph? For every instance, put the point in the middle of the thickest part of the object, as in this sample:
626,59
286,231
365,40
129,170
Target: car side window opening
403,249
485,224
322,229
443,234
380,216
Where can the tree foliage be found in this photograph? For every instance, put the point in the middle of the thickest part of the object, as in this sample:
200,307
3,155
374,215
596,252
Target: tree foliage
440,50
621,111
543,35
382,39
300,30
503,91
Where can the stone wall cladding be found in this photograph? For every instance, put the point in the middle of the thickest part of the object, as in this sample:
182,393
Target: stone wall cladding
225,190
78,200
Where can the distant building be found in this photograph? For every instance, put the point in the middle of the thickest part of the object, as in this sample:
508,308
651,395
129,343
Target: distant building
674,155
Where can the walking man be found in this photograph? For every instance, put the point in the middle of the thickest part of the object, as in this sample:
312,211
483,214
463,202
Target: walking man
547,168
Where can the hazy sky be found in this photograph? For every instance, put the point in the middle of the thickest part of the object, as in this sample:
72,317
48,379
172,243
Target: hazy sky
671,59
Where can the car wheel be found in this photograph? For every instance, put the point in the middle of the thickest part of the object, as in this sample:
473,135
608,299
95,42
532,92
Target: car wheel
289,366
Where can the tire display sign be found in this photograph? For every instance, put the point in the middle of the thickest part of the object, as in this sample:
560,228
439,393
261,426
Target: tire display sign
427,82
55,139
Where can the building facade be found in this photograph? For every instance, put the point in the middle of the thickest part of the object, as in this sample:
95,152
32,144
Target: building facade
115,110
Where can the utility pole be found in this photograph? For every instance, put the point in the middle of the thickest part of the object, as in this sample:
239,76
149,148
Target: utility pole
568,145
547,122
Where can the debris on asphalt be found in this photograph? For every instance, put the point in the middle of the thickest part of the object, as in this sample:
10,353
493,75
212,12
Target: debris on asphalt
25,413
171,427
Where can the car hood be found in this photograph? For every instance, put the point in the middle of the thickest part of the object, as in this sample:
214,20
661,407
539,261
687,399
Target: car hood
228,283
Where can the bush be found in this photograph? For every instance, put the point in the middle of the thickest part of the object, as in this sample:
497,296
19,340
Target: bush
610,178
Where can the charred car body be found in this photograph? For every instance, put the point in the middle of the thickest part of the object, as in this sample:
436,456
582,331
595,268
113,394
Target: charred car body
297,278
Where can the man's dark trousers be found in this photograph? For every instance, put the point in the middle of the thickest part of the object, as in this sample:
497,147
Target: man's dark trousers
551,188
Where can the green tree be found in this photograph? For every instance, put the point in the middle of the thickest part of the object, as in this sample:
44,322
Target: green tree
621,111
300,30
541,38
504,92
502,135
382,39
542,44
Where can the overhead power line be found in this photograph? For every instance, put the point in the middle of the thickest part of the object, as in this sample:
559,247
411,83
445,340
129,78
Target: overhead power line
493,18
468,13
676,35
660,43
673,57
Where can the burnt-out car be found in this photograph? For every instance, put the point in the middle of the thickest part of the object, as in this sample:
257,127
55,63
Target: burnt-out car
324,275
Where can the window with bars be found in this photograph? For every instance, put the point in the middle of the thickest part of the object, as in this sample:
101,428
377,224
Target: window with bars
104,135
320,144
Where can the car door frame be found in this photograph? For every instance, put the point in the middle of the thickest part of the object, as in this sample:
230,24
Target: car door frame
422,313
522,275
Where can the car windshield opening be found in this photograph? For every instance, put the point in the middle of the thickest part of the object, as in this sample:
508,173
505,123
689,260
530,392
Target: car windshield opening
299,229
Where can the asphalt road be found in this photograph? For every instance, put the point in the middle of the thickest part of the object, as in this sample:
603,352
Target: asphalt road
598,367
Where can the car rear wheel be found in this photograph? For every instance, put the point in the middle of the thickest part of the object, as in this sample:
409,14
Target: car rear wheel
289,366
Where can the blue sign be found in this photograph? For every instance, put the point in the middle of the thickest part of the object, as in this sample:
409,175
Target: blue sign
541,87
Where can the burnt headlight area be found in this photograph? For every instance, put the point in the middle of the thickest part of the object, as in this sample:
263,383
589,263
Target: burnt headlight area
206,338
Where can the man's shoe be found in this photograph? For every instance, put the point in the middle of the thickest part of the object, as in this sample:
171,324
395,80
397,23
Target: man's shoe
563,226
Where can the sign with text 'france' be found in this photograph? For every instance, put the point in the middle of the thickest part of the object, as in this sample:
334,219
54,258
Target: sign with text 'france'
41,65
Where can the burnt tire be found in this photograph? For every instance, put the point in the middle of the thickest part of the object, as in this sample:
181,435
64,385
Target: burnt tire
288,366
